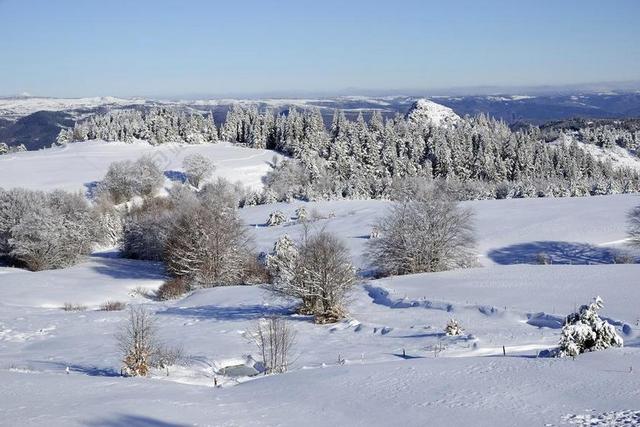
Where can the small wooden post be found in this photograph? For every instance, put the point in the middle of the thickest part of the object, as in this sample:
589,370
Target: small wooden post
504,351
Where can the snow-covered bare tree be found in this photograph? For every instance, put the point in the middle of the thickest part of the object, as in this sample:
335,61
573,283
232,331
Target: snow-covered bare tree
197,167
46,230
585,331
147,227
138,341
634,225
428,233
274,338
224,192
126,179
208,245
317,271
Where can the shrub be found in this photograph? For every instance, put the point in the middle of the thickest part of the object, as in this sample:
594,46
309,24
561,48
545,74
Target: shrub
276,218
146,229
425,234
74,307
113,306
197,168
633,221
45,230
543,258
137,342
585,331
221,191
208,245
287,180
623,258
255,272
453,328
126,179
172,289
274,338
301,214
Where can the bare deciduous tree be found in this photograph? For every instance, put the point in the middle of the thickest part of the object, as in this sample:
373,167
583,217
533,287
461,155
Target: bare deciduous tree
45,230
126,179
317,271
425,234
633,220
146,228
197,168
208,245
137,342
274,338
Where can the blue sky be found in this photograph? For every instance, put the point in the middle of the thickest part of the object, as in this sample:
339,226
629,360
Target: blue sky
181,48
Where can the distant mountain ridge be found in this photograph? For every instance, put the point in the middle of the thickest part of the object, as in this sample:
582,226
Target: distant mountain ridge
36,121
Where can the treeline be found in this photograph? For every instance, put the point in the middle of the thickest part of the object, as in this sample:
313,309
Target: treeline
478,158
156,126
603,133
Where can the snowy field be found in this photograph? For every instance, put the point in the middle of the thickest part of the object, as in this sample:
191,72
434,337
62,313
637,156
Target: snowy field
76,167
389,363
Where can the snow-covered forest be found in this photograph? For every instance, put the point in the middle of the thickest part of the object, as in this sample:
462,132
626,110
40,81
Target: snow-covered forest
478,157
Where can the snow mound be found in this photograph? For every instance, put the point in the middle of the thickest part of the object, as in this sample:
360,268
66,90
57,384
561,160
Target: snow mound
425,111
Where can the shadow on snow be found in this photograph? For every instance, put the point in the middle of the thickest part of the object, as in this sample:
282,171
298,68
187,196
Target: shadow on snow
240,312
554,252
132,421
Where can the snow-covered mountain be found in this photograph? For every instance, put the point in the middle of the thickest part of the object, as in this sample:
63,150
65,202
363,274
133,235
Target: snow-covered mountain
16,107
426,111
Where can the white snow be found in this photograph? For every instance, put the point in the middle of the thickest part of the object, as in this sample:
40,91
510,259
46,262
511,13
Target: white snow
74,166
389,363
425,111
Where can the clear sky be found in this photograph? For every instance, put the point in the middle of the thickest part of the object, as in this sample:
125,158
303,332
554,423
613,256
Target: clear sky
180,48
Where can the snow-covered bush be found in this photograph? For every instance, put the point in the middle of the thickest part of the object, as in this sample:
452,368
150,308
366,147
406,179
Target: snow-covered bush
197,168
109,222
276,218
126,179
172,288
221,191
137,342
146,229
113,306
208,245
301,214
45,230
543,258
281,263
317,271
453,328
585,331
633,221
287,180
274,338
427,233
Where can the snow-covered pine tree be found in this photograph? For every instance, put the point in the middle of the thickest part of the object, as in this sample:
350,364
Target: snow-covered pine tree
585,331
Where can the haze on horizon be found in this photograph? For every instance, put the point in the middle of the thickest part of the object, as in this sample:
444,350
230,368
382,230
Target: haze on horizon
169,48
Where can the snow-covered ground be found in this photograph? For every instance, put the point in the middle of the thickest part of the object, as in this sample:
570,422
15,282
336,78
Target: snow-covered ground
389,363
75,167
